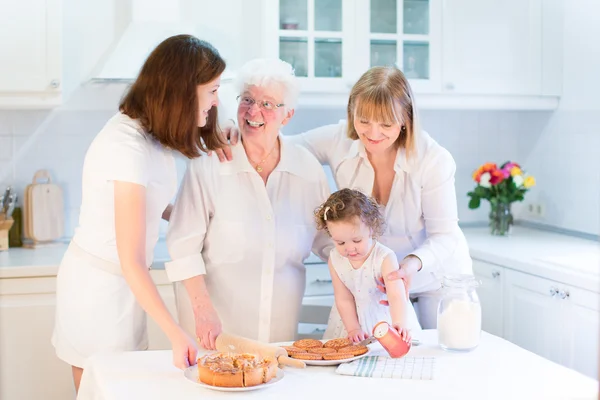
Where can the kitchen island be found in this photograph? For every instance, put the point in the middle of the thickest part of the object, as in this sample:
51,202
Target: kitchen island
497,369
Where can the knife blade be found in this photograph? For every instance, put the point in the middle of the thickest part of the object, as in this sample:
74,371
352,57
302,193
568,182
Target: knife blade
372,339
367,341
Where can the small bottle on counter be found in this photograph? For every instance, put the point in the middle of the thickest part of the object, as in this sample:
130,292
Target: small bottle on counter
15,234
390,340
459,314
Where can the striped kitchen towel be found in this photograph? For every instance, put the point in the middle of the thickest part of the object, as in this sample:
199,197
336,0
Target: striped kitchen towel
417,368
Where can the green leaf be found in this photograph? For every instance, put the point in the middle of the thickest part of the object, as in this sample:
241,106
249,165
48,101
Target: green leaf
474,203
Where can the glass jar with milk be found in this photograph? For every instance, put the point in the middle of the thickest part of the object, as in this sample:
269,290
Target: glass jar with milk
459,314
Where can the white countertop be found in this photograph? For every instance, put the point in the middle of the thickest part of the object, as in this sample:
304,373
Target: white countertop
566,259
497,369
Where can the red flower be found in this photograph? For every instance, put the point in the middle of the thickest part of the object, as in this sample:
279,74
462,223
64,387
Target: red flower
497,176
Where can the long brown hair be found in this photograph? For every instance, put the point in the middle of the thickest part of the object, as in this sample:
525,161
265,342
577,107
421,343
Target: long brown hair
383,94
164,96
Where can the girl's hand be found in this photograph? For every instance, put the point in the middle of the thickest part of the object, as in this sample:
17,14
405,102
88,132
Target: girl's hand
184,347
403,332
208,327
357,335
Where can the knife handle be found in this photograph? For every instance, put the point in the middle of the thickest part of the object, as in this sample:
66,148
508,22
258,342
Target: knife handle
291,362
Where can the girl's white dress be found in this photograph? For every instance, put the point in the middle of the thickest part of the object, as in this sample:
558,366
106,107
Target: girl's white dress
362,282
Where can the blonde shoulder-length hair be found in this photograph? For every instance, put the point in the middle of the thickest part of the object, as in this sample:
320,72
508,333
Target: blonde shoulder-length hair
383,94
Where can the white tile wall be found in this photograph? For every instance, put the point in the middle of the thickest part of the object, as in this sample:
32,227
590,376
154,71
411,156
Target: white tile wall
472,137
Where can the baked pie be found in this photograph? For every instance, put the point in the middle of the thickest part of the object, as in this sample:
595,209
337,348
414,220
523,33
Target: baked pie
235,370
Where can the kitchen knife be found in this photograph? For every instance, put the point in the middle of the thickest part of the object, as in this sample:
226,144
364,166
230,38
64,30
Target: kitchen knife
372,339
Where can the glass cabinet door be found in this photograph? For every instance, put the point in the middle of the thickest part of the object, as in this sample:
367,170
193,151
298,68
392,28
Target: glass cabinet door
399,35
310,37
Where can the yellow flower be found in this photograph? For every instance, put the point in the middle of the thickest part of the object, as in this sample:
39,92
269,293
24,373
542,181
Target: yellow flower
515,171
529,182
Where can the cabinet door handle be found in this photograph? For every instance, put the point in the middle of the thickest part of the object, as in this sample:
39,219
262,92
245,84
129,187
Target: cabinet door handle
495,274
563,294
318,281
54,83
553,291
319,330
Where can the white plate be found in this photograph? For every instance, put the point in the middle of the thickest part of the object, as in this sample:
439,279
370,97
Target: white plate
191,373
334,362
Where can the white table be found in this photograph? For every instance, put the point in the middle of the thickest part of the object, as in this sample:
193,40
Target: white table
497,369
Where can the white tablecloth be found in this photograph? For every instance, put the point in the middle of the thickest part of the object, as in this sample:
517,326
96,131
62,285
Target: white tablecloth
497,369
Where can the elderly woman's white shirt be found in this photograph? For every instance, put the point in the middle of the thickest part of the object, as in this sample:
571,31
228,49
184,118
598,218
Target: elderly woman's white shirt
421,213
250,239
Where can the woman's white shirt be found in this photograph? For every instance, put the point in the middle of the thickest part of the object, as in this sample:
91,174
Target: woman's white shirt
421,213
122,151
250,239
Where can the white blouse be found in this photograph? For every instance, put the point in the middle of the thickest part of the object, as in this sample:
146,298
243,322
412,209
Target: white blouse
250,239
421,213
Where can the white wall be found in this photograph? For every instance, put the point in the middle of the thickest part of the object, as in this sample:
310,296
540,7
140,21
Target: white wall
471,136
565,155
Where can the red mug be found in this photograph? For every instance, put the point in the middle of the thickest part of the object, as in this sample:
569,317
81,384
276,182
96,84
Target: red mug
391,340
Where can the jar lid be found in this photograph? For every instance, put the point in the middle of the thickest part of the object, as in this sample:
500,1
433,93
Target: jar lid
460,281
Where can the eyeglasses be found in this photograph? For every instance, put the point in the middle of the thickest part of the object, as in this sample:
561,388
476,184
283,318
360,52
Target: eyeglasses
264,104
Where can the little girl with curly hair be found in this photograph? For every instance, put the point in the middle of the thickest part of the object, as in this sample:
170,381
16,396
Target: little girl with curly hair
358,264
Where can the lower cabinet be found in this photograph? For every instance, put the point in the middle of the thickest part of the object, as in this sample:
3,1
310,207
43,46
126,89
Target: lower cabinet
490,295
551,319
29,369
317,302
27,307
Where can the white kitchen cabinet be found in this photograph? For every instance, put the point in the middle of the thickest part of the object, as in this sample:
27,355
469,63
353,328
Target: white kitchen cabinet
455,53
491,296
554,320
534,317
30,71
27,309
581,329
316,38
29,368
503,48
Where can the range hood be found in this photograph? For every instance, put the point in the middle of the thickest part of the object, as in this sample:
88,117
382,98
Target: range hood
152,21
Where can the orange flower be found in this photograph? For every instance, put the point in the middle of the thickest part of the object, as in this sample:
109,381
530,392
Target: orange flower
487,167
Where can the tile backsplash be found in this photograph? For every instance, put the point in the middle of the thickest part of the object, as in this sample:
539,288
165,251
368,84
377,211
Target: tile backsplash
57,140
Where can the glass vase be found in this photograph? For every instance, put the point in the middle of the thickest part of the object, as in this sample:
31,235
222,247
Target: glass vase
501,219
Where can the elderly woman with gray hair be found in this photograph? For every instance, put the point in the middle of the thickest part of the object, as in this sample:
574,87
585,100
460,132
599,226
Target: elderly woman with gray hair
240,230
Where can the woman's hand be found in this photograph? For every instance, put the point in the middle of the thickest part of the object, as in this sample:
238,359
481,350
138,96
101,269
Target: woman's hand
231,134
208,327
357,335
409,266
184,349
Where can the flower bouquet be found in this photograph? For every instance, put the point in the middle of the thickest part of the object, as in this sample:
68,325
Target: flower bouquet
501,187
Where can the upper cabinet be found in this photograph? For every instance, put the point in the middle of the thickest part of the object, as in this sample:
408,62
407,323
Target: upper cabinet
316,37
30,73
456,53
402,33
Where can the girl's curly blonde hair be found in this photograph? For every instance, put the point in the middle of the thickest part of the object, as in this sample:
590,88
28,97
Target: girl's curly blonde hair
346,204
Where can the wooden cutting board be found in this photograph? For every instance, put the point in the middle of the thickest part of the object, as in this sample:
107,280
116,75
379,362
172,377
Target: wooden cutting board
43,217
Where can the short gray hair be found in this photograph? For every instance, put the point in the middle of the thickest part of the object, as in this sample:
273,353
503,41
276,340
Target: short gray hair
266,72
